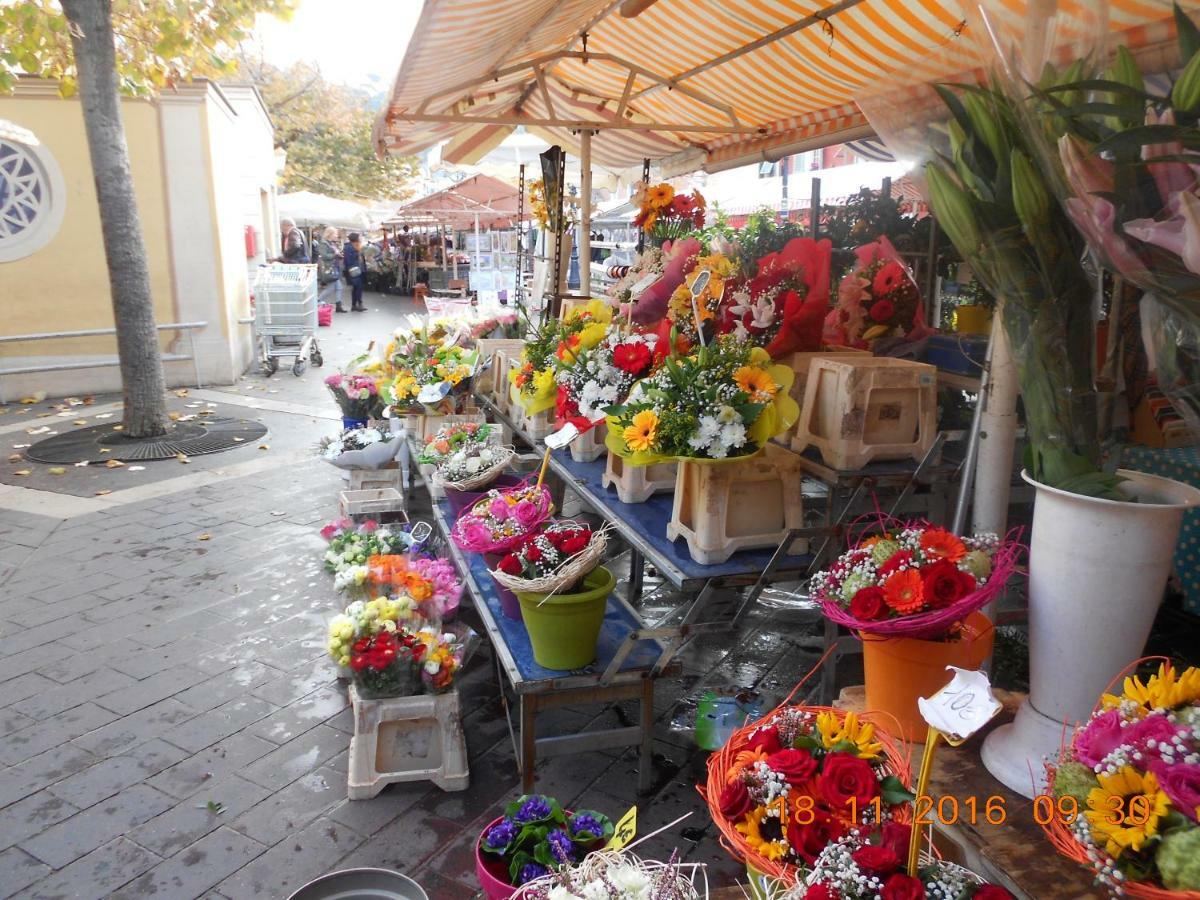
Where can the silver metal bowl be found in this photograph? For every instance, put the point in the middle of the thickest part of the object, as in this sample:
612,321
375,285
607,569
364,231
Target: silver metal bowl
361,884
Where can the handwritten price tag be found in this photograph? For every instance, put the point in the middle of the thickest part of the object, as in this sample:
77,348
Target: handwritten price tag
626,828
962,707
561,438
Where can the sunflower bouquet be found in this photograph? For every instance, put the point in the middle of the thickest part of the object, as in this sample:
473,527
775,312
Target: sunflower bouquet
665,215
877,299
1128,788
783,788
915,581
554,345
724,401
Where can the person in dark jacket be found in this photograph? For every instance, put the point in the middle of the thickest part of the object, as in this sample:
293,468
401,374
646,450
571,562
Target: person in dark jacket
292,242
355,268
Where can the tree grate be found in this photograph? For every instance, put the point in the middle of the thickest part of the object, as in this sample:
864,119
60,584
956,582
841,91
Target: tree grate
188,438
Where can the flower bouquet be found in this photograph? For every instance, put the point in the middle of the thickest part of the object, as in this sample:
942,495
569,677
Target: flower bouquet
553,560
650,262
357,396
449,439
683,313
365,619
370,447
1128,789
915,581
783,788
724,401
877,299
501,520
602,376
616,875
428,587
534,837
417,360
444,655
555,344
385,663
351,544
783,306
665,215
870,864
473,467
678,259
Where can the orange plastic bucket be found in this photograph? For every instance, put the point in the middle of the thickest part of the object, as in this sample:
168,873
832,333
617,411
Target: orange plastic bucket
972,319
899,670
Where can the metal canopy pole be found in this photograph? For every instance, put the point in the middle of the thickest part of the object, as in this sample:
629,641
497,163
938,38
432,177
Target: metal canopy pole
641,242
585,218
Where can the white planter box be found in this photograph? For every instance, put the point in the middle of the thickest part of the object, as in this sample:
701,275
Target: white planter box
400,739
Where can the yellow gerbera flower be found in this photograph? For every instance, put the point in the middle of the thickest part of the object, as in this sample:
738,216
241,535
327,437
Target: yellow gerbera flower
752,828
834,729
1164,690
757,383
1124,811
592,334
640,434
660,195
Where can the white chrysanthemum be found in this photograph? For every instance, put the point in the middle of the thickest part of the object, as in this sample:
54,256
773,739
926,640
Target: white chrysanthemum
733,434
727,415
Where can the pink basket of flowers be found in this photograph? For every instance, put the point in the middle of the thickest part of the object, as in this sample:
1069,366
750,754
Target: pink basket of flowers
501,519
914,579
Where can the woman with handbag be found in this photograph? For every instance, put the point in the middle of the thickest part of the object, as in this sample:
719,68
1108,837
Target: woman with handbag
355,269
330,271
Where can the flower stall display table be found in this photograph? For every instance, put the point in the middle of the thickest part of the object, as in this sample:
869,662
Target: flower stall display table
630,658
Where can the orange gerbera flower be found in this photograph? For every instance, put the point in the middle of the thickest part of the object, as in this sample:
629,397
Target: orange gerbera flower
757,383
744,760
938,543
904,591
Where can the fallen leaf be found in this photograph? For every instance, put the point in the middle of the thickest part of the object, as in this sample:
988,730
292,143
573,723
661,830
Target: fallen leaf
3,410
182,392
16,457
186,418
41,430
279,512
205,537
82,464
264,446
35,397
206,412
238,440
174,417
113,464
137,468
88,401
118,428
105,450
22,472
210,405
57,470
79,422
103,492
182,457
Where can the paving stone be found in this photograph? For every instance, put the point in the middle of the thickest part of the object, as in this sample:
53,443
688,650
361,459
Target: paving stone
294,861
72,838
52,732
27,685
403,844
290,809
210,727
196,869
302,715
96,875
11,720
293,686
233,754
150,690
303,754
229,685
217,803
17,870
126,731
41,771
27,817
73,693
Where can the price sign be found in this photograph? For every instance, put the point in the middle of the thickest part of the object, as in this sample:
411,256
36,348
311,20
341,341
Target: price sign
642,283
434,393
626,828
701,283
962,707
561,438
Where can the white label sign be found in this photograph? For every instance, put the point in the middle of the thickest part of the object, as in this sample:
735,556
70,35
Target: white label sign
642,283
562,437
434,393
963,706
701,283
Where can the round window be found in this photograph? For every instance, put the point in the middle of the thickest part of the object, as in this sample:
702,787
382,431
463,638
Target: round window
32,199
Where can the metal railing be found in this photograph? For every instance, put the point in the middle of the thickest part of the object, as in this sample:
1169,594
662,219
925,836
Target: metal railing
188,327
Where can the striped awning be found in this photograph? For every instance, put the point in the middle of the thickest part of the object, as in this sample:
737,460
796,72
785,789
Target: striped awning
709,82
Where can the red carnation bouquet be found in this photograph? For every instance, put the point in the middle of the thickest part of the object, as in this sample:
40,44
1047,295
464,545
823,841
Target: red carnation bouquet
878,299
554,559
916,580
782,307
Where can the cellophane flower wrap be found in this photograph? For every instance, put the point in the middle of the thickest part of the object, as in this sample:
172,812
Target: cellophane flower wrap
682,312
501,519
445,653
783,788
782,307
451,438
357,396
869,863
877,299
557,343
721,402
369,447
365,619
602,377
678,259
537,836
553,560
1127,788
427,588
916,580
618,875
351,544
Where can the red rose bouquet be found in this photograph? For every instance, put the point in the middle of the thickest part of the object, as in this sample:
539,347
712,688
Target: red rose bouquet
877,299
783,788
385,663
871,864
552,560
916,581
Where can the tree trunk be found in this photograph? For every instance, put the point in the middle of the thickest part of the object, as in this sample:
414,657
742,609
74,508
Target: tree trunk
142,379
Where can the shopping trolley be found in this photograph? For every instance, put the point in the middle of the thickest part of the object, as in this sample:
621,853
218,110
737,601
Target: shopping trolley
285,316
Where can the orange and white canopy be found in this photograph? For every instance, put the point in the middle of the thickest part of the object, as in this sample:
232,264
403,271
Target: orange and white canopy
704,81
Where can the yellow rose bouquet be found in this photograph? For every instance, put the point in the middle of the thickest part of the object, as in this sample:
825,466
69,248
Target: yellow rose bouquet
556,345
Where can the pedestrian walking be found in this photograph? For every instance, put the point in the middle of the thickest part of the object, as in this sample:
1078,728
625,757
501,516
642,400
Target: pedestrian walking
356,270
331,265
293,244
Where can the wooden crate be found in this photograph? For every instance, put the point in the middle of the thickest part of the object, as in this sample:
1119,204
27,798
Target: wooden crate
753,503
876,408
371,503
403,739
589,446
427,426
390,476
485,382
637,484
799,363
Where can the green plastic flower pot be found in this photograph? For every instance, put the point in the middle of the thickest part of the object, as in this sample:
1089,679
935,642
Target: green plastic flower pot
564,629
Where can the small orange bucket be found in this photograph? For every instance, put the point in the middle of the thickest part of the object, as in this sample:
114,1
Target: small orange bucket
900,669
972,319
